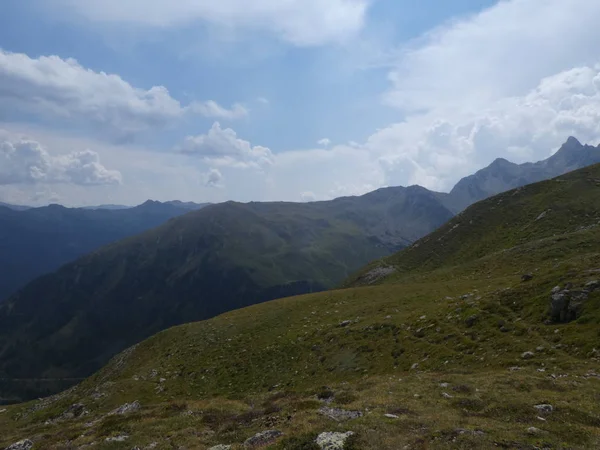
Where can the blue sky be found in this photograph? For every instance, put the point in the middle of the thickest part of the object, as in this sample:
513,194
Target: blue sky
117,101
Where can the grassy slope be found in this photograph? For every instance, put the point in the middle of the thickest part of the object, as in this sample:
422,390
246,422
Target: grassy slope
262,367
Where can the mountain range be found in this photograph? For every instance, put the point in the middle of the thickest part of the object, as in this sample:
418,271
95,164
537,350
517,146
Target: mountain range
36,241
482,334
67,324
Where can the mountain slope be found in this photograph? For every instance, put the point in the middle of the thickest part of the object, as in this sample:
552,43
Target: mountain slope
502,175
454,350
223,257
40,240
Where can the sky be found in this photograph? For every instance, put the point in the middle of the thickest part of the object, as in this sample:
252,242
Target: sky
120,101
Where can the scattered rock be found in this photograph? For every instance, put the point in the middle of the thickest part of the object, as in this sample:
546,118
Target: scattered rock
446,395
339,414
526,277
21,445
376,274
126,408
544,408
345,323
533,431
332,440
74,411
414,366
444,385
472,432
527,355
263,438
119,438
541,216
221,447
391,416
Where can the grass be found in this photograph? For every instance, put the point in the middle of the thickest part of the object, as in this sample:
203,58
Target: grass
439,346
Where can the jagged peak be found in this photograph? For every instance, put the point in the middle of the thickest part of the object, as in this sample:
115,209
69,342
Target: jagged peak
573,142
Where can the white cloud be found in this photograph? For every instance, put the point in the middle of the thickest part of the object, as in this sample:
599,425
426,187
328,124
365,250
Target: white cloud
25,161
214,110
221,146
53,88
433,150
324,142
300,22
502,52
213,178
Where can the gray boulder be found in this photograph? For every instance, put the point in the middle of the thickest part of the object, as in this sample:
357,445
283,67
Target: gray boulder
21,445
333,441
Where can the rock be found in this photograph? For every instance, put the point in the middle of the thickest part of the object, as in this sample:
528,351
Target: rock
539,349
444,385
541,216
391,416
339,414
527,355
526,277
332,440
345,323
119,438
533,431
545,408
566,304
446,395
221,447
21,445
471,320
592,285
263,438
126,408
414,366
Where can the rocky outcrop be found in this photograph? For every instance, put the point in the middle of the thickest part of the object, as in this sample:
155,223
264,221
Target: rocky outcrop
263,438
21,445
566,304
126,408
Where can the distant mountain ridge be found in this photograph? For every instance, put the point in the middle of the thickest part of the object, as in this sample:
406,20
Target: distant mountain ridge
502,175
36,241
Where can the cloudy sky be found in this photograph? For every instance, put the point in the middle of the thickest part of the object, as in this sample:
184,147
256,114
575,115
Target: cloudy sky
118,101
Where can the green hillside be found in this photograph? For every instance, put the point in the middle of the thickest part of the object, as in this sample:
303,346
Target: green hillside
455,346
68,324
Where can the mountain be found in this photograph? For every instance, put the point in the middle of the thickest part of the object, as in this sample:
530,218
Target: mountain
14,207
109,207
502,175
190,206
37,241
225,256
458,346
